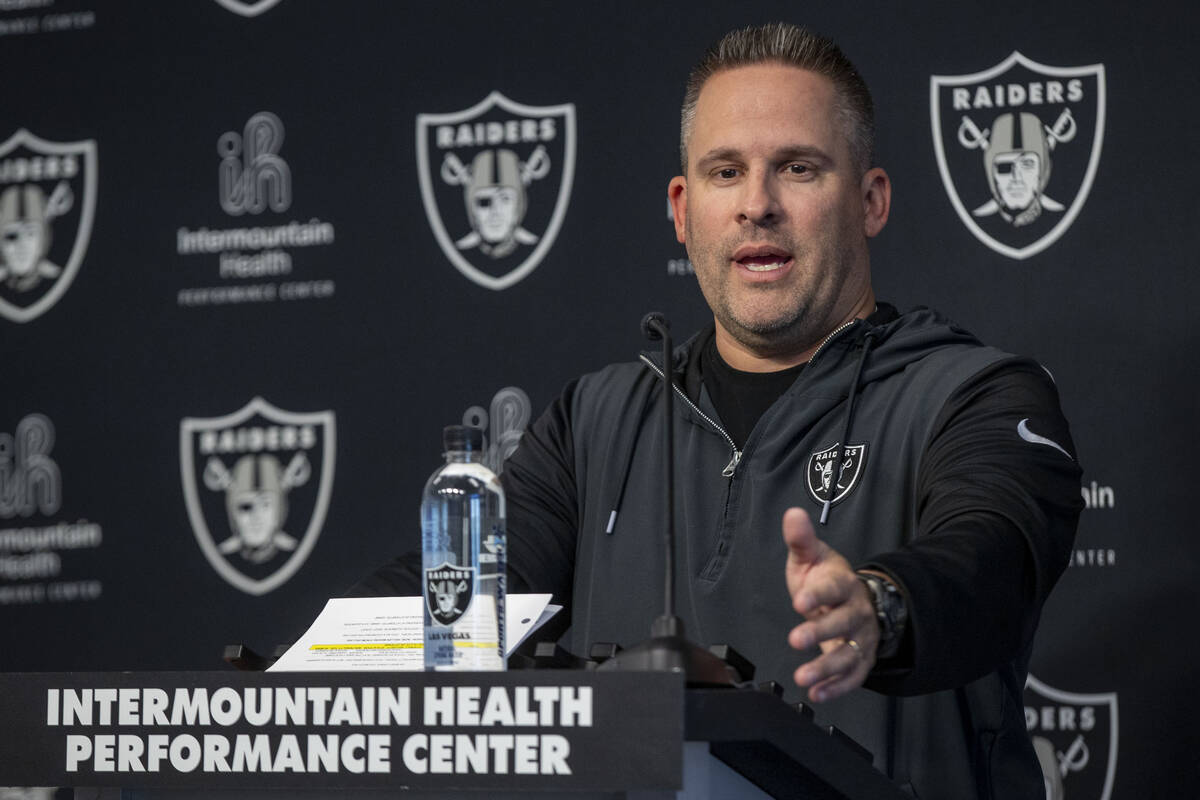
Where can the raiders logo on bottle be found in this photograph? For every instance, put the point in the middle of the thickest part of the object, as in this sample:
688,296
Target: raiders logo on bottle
448,592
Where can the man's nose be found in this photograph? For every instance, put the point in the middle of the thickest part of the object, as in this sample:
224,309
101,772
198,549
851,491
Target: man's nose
759,200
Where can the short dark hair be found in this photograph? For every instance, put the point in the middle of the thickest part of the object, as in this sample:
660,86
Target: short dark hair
783,43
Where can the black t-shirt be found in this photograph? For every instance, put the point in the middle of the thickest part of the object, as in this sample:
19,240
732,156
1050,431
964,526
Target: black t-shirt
741,398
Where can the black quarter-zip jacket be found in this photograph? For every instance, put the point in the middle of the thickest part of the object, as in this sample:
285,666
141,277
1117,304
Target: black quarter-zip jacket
959,482
957,478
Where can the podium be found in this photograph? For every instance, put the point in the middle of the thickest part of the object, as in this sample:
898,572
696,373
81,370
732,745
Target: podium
550,733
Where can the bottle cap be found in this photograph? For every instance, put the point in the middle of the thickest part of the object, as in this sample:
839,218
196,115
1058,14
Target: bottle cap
462,437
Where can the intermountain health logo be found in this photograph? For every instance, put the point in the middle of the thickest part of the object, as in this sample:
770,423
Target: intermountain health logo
42,555
503,427
252,175
257,484
263,257
47,204
1075,738
25,18
496,180
1017,146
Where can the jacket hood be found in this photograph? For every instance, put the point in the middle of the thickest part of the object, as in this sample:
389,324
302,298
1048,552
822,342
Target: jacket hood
897,340
857,354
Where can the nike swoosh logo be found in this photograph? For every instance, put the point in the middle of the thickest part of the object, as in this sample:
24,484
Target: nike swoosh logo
1031,437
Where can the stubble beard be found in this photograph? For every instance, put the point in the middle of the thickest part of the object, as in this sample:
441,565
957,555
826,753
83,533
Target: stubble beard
773,320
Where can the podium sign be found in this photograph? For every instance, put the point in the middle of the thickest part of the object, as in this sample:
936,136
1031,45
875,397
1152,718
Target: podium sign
544,730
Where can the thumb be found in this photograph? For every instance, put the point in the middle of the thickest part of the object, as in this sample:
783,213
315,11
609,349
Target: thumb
804,548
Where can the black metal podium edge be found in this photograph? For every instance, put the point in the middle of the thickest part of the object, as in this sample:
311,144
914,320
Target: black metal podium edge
780,751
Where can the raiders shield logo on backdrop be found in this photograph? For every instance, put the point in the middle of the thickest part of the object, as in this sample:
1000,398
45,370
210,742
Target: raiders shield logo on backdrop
257,484
1018,145
496,179
448,592
1075,737
821,466
47,203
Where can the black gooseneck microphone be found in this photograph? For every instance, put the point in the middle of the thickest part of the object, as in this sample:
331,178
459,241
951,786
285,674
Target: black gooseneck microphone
655,328
668,649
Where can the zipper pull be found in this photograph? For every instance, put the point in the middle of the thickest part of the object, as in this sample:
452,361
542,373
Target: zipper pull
732,465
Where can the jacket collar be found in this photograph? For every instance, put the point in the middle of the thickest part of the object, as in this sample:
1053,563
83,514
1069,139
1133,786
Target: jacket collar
688,354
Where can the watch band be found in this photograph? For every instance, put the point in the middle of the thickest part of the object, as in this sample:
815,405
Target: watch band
890,611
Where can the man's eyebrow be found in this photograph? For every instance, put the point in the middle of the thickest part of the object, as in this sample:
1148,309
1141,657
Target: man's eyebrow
718,155
787,153
804,151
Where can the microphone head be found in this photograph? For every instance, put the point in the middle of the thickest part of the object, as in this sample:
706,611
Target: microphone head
654,326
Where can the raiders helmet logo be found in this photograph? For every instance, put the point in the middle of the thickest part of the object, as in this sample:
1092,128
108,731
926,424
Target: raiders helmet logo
257,484
496,179
1017,146
823,464
1075,738
448,592
47,203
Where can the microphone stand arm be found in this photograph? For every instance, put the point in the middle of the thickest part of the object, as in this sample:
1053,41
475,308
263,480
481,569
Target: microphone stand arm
668,649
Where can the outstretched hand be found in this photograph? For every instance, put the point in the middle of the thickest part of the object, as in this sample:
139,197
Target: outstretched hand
839,615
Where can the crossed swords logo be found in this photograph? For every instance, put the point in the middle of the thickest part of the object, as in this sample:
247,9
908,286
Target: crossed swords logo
59,203
1075,758
972,138
1057,765
455,173
257,532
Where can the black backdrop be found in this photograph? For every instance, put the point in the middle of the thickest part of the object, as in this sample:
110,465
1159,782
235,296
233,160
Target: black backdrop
362,338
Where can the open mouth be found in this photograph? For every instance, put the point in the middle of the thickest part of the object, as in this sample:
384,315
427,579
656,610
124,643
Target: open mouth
762,258
767,266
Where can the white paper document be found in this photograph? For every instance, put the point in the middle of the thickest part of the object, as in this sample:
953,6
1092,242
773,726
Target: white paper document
380,634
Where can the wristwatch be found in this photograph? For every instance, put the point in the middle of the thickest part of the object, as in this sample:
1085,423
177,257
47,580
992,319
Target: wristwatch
890,611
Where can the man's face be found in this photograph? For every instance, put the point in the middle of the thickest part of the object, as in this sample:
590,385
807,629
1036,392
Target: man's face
495,212
1017,176
774,213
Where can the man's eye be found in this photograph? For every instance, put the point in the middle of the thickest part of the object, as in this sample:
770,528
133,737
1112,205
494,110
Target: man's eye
798,169
728,173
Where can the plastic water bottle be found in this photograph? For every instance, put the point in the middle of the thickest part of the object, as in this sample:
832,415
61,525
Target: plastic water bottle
462,553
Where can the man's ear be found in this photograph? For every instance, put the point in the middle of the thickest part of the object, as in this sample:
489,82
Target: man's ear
877,200
677,195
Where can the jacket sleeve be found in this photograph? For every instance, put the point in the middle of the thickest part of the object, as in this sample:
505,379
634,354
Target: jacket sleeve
542,505
998,501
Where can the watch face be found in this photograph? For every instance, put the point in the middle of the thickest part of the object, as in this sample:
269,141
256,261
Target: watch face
875,587
890,613
894,604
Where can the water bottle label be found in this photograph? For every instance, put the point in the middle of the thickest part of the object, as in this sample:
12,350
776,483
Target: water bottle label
448,592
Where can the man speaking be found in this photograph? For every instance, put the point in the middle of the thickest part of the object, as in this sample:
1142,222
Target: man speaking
925,484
